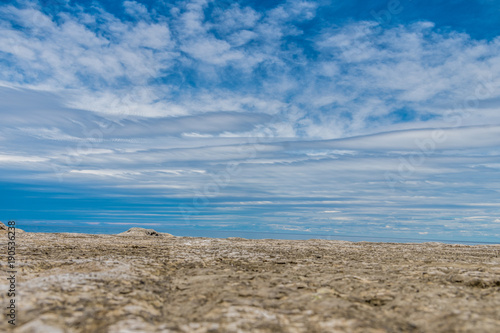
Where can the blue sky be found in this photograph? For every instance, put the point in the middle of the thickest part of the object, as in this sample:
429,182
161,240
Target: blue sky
360,118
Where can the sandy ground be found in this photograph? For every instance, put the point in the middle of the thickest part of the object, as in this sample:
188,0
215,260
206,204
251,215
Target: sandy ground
159,283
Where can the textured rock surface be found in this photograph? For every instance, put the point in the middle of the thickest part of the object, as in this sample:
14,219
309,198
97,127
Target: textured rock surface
106,283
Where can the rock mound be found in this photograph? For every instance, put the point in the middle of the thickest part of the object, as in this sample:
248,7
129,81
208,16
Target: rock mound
135,231
4,228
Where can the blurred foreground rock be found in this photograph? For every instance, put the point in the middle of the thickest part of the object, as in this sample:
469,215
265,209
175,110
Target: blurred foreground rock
147,283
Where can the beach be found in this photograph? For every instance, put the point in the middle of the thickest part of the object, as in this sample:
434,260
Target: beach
154,282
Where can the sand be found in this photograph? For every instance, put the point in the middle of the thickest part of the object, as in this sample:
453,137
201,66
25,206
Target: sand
152,282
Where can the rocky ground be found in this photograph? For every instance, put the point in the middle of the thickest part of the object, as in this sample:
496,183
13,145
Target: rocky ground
149,282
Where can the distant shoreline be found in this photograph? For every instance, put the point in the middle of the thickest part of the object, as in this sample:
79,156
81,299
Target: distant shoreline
248,234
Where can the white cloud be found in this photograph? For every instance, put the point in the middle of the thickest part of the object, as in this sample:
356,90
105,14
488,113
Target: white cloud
135,9
7,158
211,50
121,66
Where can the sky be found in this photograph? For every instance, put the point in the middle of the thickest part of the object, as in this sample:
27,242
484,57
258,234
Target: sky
333,119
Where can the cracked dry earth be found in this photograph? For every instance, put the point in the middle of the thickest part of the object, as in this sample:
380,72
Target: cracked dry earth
161,283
